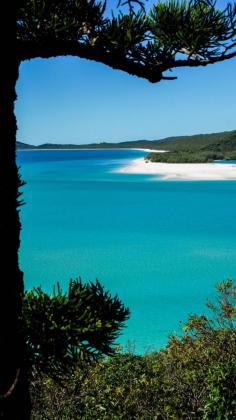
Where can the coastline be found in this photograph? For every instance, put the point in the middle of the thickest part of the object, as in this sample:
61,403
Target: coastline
90,148
181,171
149,150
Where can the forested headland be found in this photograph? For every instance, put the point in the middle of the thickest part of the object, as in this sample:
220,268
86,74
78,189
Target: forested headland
202,148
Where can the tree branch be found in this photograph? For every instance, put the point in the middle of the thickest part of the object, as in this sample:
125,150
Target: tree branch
152,72
200,62
28,50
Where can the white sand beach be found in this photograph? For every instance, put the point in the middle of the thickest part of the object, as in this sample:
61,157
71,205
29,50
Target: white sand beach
149,150
182,171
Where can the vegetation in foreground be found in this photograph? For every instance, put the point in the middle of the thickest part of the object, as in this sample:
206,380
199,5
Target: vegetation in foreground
194,377
66,329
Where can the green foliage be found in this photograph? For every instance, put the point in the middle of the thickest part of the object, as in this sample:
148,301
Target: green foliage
230,156
196,149
172,34
194,377
72,20
125,31
188,26
63,330
221,392
216,142
185,157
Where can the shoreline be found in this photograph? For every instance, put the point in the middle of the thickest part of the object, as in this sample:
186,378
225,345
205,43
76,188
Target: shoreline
148,150
90,148
181,171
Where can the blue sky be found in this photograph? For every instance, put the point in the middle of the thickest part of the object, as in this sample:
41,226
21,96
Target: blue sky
70,100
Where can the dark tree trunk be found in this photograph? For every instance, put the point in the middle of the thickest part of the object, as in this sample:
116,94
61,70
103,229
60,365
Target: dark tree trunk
14,400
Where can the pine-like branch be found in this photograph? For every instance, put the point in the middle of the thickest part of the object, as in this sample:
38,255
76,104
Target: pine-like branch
174,34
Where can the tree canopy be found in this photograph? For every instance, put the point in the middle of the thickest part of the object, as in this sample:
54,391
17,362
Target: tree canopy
171,34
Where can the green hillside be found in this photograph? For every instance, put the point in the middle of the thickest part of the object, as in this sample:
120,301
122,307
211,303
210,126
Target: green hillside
215,141
197,148
202,148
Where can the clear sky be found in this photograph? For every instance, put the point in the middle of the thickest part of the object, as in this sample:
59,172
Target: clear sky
70,100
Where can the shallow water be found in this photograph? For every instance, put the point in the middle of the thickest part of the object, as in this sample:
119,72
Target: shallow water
161,245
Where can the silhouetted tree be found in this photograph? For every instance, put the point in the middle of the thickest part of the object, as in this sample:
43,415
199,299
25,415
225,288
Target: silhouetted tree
173,34
67,329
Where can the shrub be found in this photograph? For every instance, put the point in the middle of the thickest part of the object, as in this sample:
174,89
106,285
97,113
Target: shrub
65,329
194,377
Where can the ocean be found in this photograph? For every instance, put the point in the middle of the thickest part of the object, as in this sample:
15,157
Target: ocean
160,245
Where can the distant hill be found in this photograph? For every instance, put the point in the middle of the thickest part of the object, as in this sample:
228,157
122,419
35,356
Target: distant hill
214,142
197,149
23,146
220,142
104,145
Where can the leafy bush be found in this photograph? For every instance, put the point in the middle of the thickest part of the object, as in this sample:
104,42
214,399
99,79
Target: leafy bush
194,377
221,392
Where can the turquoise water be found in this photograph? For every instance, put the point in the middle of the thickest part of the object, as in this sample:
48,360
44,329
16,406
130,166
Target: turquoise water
161,245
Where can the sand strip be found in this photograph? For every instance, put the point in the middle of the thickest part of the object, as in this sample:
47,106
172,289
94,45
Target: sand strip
184,171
